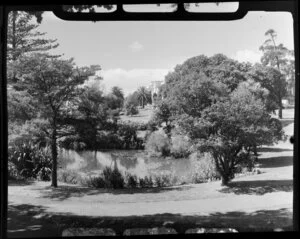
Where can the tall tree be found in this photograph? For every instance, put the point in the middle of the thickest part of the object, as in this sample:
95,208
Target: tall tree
271,79
143,96
278,56
119,96
23,36
273,54
53,82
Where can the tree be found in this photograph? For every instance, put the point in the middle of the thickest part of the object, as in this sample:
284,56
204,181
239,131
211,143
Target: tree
201,80
228,128
278,56
131,104
23,37
93,116
116,98
272,80
273,55
53,82
21,106
143,96
163,115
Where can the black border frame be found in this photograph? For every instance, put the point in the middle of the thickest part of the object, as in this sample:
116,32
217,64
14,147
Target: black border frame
291,6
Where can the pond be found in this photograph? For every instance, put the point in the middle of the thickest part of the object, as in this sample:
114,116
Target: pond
136,162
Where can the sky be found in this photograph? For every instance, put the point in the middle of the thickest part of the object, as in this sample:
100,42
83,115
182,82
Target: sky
132,54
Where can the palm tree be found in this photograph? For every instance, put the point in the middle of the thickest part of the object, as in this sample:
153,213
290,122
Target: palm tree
143,95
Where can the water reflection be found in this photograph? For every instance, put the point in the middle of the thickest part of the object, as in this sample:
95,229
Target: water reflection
136,162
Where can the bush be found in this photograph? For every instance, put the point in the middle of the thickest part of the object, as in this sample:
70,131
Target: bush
74,143
127,134
158,143
43,165
68,176
152,125
30,161
131,109
204,168
163,180
131,181
113,178
109,141
12,171
142,182
181,147
96,182
247,163
148,182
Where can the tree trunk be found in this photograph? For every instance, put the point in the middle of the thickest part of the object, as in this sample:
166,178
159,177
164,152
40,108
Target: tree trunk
142,103
54,156
225,180
95,159
280,111
255,150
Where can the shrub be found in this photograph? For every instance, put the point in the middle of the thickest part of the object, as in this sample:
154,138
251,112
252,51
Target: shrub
152,125
181,147
113,178
43,165
158,143
247,163
142,182
30,161
204,168
131,181
96,182
68,176
148,182
163,180
127,134
12,171
131,109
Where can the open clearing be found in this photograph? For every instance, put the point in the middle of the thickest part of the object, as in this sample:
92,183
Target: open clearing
250,203
143,116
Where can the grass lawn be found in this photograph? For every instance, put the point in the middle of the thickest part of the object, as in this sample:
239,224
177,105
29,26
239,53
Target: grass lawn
143,116
261,202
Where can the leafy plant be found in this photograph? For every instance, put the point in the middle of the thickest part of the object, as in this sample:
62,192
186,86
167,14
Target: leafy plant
204,168
158,143
30,161
113,178
181,146
131,181
96,182
68,176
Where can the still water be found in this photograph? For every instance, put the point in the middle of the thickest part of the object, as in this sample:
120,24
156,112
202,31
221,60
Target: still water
136,162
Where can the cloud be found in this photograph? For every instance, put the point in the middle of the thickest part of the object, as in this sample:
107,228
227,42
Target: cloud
247,56
131,80
136,46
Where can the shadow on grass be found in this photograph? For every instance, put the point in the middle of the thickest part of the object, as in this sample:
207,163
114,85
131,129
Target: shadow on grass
64,191
258,187
275,162
32,221
19,182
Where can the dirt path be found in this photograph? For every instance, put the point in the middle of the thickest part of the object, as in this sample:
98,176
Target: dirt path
270,191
